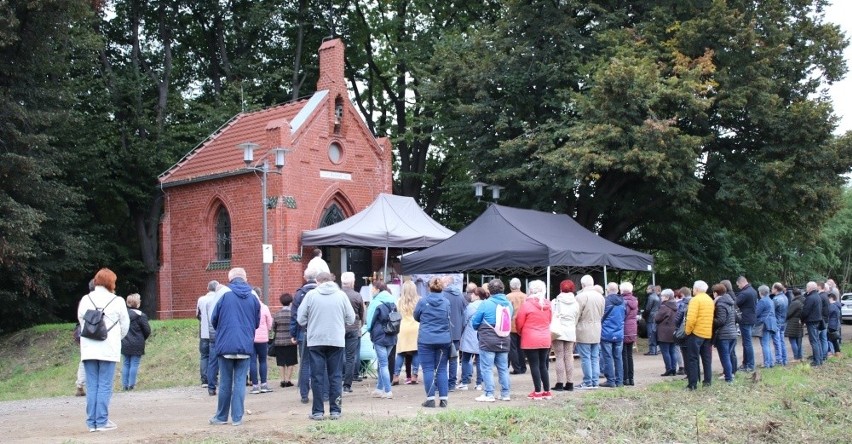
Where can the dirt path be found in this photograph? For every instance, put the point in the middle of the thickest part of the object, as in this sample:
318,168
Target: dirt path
169,415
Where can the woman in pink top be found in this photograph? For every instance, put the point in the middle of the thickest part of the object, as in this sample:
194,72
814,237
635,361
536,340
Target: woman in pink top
533,325
261,348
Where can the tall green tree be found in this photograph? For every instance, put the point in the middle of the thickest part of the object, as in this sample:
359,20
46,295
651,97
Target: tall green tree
691,128
42,229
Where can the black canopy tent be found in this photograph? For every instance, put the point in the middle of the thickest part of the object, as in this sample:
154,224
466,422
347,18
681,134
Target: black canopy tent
512,240
389,222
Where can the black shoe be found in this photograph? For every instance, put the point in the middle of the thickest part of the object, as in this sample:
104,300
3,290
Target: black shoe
211,392
628,382
305,400
558,387
681,371
606,384
283,384
358,379
569,387
429,403
705,384
443,403
347,389
288,384
650,354
691,388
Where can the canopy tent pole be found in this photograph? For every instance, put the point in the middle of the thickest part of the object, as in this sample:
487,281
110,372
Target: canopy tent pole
385,270
654,278
605,281
548,282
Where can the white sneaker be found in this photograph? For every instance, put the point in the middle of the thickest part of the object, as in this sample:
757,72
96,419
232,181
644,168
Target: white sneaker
479,387
506,398
377,393
485,398
461,387
387,395
107,427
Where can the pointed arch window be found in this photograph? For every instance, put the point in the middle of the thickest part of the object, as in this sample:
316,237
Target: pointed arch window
223,235
332,215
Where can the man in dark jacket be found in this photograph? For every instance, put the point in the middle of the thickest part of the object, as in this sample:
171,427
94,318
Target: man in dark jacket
652,305
812,318
452,293
746,302
236,317
353,331
823,333
297,333
612,337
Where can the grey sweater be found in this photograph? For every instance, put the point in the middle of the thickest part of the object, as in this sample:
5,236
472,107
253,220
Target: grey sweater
324,313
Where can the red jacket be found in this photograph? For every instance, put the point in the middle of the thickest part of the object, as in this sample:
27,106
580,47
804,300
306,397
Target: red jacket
533,323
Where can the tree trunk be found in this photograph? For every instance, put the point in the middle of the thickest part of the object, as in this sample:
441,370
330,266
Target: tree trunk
147,222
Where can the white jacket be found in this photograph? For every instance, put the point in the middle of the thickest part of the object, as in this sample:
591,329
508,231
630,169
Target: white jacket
564,309
115,313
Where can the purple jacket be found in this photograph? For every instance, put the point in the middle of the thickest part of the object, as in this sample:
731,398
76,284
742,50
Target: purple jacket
630,322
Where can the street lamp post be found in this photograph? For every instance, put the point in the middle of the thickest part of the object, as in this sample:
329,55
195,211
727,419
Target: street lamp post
248,157
479,186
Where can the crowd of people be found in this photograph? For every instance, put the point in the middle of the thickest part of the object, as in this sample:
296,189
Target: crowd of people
456,340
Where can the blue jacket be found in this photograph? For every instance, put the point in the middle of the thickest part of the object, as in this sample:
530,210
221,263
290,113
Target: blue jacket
469,341
433,314
765,315
833,317
377,326
296,330
380,298
812,308
236,317
457,306
746,302
612,328
780,301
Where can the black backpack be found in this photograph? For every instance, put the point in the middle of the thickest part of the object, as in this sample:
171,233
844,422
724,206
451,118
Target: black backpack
94,323
391,327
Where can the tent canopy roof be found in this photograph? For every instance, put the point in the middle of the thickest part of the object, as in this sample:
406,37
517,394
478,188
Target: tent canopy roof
390,221
513,238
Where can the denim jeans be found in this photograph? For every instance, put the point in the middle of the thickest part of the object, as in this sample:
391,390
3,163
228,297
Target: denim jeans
589,361
816,343
204,353
327,377
434,359
780,347
734,358
384,382
698,348
411,369
352,359
259,362
487,361
468,360
304,370
652,337
454,367
212,366
723,347
823,338
232,390
99,375
129,369
796,347
766,346
669,351
613,368
748,347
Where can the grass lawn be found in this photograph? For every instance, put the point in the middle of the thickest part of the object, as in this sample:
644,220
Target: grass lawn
793,404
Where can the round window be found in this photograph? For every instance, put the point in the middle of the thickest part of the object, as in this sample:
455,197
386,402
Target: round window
335,153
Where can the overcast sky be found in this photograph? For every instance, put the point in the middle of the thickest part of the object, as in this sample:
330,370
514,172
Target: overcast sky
841,92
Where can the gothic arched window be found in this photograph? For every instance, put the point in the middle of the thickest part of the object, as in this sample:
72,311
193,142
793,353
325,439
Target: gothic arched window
223,235
332,215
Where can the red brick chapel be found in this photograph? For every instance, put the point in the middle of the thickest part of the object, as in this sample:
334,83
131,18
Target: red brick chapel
214,208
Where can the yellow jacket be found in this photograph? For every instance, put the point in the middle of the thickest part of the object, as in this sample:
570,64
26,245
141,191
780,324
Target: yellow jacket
699,316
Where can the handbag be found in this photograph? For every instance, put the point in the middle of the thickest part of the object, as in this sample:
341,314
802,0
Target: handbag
555,325
757,331
680,333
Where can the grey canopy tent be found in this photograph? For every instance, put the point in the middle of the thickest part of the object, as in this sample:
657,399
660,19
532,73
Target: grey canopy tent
509,240
389,222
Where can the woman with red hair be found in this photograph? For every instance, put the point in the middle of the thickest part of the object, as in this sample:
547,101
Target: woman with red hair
563,328
100,357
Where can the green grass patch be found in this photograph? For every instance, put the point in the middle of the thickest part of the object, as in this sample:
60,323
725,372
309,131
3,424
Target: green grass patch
793,404
42,361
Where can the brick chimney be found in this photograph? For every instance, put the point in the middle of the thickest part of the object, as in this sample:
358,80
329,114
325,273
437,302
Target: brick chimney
331,67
